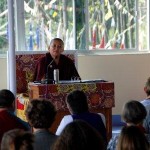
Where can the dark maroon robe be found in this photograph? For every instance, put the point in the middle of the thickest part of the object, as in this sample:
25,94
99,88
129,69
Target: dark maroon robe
66,67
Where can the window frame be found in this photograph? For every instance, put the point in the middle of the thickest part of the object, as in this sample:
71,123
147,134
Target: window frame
20,36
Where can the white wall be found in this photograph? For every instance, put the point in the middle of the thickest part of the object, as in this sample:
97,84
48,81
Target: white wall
129,72
3,73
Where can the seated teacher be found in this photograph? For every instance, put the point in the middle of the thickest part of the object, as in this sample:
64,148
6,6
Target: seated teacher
55,60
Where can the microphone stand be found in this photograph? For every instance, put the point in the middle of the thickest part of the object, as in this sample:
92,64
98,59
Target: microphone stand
47,80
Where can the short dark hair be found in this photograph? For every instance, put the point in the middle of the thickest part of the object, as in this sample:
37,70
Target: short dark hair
6,98
40,113
77,101
19,139
57,39
134,112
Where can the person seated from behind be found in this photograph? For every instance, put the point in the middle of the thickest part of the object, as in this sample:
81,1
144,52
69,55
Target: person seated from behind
132,138
54,59
17,139
133,113
79,135
40,114
8,120
78,107
146,103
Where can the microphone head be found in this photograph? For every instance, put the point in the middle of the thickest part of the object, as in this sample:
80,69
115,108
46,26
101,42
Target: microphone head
55,57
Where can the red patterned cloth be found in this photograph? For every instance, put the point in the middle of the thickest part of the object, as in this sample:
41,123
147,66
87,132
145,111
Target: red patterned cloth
99,95
25,66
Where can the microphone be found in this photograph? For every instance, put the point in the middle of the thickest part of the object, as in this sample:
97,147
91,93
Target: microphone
47,80
49,65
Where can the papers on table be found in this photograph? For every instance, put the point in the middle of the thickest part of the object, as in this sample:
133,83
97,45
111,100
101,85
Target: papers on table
81,81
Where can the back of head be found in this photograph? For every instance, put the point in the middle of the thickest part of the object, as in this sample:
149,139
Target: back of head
78,135
17,139
133,112
147,87
40,113
77,102
6,98
132,138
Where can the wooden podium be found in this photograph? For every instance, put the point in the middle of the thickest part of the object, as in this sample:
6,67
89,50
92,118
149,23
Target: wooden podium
100,96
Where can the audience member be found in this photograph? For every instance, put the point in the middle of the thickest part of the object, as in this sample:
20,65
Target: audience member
146,103
17,139
132,138
55,60
8,120
78,107
40,115
79,135
133,114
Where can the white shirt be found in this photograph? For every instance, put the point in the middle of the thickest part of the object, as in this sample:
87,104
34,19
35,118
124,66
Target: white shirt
68,119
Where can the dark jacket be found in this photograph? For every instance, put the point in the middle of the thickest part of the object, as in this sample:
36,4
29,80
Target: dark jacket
66,67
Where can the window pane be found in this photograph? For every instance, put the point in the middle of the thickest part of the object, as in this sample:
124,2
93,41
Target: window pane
80,24
3,26
47,19
143,24
112,24
97,24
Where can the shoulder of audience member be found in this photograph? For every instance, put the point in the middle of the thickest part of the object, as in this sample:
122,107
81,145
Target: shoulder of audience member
113,142
148,137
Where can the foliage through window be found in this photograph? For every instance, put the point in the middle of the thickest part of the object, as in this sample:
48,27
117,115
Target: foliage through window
82,24
45,20
112,23
3,26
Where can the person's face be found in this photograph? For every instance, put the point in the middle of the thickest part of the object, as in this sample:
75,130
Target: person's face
56,48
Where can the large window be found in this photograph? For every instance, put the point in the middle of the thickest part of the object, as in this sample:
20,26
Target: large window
47,19
112,24
3,27
103,25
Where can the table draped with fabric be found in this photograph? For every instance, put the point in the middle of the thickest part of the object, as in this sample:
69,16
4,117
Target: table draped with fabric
100,97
